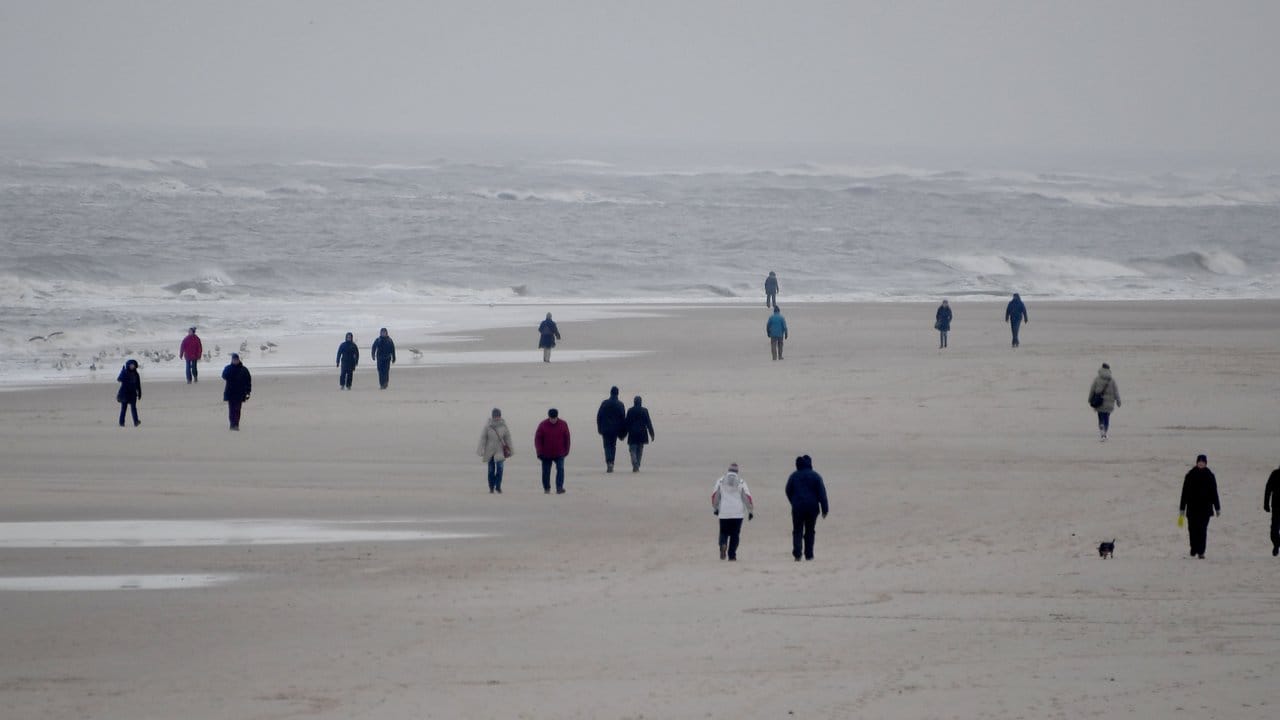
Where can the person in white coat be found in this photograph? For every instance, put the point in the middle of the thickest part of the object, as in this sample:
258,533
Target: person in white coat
731,500
495,448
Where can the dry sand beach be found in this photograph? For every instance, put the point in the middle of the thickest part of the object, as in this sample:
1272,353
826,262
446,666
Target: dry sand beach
956,577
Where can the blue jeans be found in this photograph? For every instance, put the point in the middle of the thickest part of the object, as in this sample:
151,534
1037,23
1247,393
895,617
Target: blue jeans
546,472
610,447
495,473
1014,325
384,373
1104,421
192,374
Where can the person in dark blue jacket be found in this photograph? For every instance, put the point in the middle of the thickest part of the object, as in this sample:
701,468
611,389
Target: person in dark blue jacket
348,359
130,390
1015,313
384,353
943,323
548,334
239,386
808,497
639,432
776,328
611,424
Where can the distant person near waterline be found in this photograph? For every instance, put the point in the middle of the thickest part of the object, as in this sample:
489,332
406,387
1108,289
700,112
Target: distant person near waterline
730,500
808,497
942,323
1104,398
383,353
548,334
639,432
130,390
551,443
1199,502
771,290
1271,504
1015,313
776,328
347,360
611,424
191,351
495,447
239,383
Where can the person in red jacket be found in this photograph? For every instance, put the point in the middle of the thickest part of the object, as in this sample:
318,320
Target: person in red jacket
191,350
551,442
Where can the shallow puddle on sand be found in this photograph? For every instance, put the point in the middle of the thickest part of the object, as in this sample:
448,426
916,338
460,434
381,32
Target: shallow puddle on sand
79,583
197,533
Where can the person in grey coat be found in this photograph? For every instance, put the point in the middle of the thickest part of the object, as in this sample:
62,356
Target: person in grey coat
1104,397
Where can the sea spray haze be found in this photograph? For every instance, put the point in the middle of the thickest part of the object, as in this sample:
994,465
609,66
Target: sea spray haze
123,250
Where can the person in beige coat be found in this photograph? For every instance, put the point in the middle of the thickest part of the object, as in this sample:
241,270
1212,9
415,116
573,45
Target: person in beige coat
495,447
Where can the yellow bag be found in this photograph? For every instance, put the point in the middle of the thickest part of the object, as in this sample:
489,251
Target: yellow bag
1182,520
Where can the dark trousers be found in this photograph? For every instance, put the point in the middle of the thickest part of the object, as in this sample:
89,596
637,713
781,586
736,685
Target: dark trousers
637,454
942,338
771,299
1198,529
495,473
384,373
546,472
1104,421
344,377
132,406
1014,325
729,532
804,526
1275,527
610,447
192,374
233,412
775,347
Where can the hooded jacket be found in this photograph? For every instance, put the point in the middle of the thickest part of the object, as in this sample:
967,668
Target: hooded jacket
639,426
1199,493
771,284
776,326
731,498
1106,385
348,354
494,435
130,385
1015,312
943,318
548,334
383,350
239,382
1272,493
551,440
611,417
805,489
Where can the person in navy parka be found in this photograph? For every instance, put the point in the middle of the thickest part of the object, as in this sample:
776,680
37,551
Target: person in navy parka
130,390
348,359
808,497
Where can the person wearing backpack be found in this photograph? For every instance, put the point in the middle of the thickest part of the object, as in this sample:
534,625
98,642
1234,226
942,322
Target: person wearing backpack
1104,398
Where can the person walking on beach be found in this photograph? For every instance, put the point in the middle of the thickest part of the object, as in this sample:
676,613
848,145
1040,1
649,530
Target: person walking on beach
551,443
130,391
771,290
191,351
776,328
1015,313
548,334
348,359
495,448
730,500
639,432
1199,502
239,383
383,353
1271,504
1104,397
808,496
943,323
611,424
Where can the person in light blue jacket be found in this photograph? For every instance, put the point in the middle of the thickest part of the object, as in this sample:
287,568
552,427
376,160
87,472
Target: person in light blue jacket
776,328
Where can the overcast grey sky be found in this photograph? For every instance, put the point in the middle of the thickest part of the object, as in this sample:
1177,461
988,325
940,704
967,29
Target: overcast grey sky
1148,75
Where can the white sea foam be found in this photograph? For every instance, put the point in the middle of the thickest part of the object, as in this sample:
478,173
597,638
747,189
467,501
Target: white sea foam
197,533
97,583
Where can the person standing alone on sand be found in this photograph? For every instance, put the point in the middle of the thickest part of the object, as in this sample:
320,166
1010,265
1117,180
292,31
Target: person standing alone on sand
1015,313
383,353
551,443
730,500
943,323
1199,503
130,390
771,290
1270,498
495,448
611,424
191,350
808,497
239,385
548,334
348,359
776,328
1104,397
639,432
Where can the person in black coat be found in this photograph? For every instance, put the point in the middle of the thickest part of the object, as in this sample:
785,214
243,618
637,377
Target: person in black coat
1271,504
1015,313
808,497
1199,503
384,354
348,359
239,385
130,390
942,323
611,424
548,334
639,432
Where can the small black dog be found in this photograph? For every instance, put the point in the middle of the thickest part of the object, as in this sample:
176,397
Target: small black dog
1107,549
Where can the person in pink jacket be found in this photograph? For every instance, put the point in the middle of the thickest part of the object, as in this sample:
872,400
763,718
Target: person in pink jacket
551,442
731,500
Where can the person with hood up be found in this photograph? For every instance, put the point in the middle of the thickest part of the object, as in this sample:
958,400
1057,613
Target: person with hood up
130,390
808,496
1271,504
1104,397
551,443
548,334
1015,313
1199,502
611,424
730,500
347,360
191,351
495,448
639,432
771,290
239,383
942,323
383,353
776,328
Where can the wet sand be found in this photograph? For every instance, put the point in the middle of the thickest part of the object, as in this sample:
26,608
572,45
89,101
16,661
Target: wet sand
957,575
